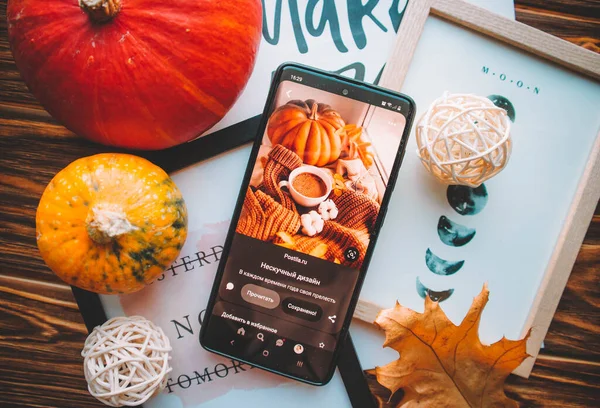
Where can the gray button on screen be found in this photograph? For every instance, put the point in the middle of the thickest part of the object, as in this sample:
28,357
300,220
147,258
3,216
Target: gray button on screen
259,296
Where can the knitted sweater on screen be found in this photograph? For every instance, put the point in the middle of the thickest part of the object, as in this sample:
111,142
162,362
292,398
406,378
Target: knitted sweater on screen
352,228
270,209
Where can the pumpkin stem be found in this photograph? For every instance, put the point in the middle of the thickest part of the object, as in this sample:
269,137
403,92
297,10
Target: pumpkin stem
313,111
100,11
106,222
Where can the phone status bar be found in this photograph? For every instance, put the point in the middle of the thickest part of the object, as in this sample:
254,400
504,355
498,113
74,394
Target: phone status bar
359,92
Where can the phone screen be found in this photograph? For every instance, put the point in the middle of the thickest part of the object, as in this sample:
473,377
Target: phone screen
319,180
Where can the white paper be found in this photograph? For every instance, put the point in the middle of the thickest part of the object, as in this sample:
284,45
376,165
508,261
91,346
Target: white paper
210,189
322,52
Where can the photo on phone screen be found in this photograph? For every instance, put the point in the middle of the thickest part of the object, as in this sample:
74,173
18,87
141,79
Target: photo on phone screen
319,180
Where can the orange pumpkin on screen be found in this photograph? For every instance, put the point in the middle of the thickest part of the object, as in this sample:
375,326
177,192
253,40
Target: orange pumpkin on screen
111,223
309,129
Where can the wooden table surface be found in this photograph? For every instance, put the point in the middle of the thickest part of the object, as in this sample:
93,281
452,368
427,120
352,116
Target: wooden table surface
42,332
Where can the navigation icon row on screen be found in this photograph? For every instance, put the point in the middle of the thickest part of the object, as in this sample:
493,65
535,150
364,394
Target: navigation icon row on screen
298,348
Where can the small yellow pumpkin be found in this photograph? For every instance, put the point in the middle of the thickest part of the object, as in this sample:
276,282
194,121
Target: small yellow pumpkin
111,223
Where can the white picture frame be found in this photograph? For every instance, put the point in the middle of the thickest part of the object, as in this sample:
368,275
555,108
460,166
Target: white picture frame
577,62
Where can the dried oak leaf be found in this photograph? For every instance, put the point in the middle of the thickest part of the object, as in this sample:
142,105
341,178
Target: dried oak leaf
444,365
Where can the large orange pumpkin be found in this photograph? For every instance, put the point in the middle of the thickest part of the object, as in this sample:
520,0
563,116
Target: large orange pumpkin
141,74
111,223
310,129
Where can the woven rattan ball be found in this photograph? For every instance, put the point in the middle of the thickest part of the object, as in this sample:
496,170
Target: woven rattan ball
126,361
464,139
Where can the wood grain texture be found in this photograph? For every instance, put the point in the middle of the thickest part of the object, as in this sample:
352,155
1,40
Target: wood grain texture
578,23
414,25
554,383
42,332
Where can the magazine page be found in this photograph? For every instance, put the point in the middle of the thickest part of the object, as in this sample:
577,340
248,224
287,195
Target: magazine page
341,36
349,37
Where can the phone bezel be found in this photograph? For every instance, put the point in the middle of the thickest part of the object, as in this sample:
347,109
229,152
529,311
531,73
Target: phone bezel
246,180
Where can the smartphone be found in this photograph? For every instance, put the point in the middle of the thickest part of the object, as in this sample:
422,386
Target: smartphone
312,202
